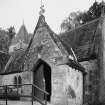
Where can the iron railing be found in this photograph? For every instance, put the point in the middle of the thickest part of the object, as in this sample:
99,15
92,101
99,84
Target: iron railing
6,88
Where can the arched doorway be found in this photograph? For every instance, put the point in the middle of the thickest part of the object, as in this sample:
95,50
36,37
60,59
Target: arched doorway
42,78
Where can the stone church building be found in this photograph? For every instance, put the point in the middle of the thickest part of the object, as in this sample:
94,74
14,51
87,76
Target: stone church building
69,66
45,62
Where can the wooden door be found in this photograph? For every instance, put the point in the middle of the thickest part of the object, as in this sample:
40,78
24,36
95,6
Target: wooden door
39,81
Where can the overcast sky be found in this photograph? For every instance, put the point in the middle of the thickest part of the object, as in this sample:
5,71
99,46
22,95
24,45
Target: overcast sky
13,12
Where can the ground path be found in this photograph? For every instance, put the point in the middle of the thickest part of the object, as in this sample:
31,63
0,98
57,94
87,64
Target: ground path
19,103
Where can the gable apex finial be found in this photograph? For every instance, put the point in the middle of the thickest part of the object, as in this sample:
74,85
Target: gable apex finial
23,21
42,10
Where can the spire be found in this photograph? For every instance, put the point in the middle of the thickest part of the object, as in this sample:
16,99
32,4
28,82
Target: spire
42,10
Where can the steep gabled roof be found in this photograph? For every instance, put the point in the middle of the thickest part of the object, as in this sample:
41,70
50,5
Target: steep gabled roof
84,39
54,36
58,42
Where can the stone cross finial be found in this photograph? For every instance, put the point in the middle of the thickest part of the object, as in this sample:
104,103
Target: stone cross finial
42,10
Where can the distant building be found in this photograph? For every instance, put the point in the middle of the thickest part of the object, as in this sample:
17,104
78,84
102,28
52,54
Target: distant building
21,40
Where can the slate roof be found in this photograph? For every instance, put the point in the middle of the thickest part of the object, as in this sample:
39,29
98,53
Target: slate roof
15,62
84,40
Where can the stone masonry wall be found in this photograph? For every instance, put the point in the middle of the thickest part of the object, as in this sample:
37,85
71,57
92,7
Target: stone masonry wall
101,57
67,86
91,81
26,79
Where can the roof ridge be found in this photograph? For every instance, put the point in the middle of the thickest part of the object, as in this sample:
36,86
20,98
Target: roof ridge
83,25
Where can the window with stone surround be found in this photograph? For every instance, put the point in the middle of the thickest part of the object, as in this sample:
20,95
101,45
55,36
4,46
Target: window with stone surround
15,81
20,81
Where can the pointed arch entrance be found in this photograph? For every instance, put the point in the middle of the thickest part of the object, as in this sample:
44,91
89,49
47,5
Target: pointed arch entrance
42,78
